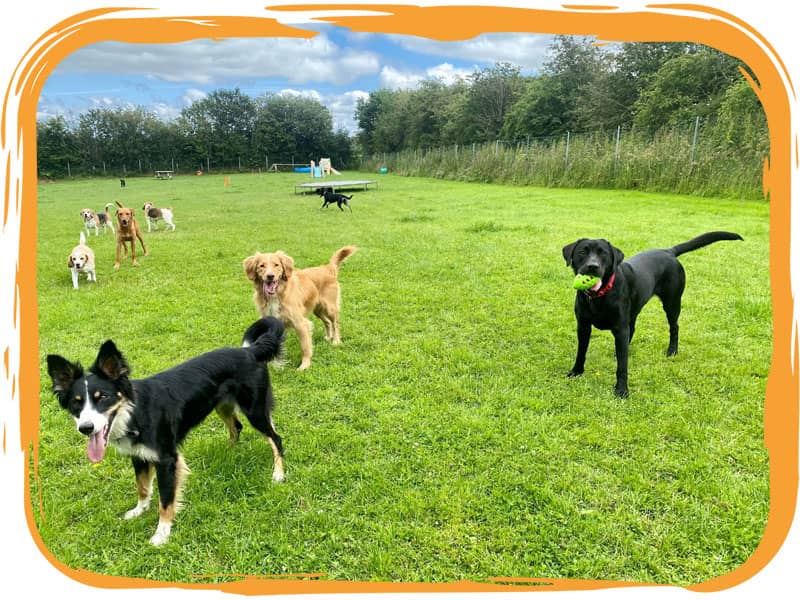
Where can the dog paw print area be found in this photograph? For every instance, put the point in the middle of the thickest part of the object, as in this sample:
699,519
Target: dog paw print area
434,422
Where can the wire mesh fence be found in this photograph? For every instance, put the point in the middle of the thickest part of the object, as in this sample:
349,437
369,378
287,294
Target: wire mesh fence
687,160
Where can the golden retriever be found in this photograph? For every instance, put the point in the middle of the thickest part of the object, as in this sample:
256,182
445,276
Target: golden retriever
291,294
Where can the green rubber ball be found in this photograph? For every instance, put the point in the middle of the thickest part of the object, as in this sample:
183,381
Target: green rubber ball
584,282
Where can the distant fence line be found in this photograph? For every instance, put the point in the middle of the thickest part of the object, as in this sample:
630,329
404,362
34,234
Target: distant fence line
678,160
147,166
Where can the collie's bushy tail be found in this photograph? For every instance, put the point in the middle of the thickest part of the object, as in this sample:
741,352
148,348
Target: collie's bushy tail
264,338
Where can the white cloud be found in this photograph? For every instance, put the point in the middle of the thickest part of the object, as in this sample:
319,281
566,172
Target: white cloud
192,95
164,111
313,94
448,73
525,50
341,106
394,79
343,109
207,62
166,78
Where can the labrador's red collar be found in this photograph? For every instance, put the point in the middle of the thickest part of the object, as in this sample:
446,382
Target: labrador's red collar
603,290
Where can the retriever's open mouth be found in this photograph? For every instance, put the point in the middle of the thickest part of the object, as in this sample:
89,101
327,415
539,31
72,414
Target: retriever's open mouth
270,287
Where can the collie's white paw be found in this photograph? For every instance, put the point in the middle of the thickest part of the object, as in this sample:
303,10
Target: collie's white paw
161,535
138,509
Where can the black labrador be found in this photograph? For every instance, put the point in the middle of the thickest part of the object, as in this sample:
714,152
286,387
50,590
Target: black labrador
331,197
623,290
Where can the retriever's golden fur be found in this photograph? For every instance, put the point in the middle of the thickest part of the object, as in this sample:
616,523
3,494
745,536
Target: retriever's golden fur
127,233
292,294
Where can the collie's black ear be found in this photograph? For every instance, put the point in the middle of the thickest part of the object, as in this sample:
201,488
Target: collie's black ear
567,251
110,363
62,372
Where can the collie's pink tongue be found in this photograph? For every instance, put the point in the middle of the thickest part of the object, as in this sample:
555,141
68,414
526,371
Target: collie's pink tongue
597,285
270,287
97,446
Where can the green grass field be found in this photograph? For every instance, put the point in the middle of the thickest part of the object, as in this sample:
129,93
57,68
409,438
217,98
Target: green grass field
442,441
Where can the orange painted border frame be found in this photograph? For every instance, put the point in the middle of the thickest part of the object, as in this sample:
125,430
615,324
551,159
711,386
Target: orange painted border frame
663,22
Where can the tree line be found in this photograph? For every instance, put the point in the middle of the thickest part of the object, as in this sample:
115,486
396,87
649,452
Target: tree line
226,130
582,87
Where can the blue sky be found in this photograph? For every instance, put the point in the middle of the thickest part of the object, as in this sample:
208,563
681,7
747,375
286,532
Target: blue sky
337,67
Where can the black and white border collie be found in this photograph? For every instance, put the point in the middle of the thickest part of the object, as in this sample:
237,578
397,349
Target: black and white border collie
147,419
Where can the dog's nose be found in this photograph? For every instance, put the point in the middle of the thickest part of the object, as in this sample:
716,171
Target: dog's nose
591,269
270,277
86,428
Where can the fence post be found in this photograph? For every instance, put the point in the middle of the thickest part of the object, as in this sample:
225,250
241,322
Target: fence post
616,150
69,170
566,153
694,139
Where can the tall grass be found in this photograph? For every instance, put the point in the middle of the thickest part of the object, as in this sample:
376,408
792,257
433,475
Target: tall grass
665,162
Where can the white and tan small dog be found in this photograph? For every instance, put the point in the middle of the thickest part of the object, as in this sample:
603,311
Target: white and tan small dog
153,215
93,220
81,260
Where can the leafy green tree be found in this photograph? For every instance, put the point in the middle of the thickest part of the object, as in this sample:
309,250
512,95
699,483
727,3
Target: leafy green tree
289,127
426,111
453,107
491,93
741,123
341,150
574,63
383,120
369,111
541,111
218,128
95,138
56,148
689,86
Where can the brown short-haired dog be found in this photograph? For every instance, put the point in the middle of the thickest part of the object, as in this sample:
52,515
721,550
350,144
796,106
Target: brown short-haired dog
127,231
292,294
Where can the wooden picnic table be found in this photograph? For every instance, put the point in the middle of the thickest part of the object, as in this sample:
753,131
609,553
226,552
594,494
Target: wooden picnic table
164,174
